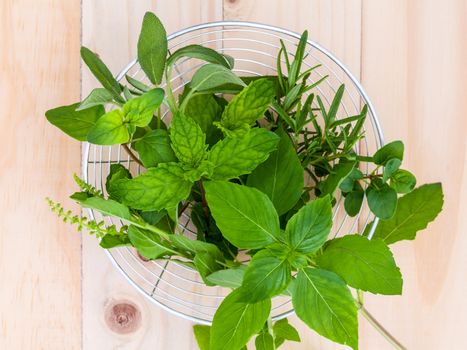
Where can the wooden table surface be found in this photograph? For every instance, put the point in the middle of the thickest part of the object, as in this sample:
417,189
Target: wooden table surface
58,289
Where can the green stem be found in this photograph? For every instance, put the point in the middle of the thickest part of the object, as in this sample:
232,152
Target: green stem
170,95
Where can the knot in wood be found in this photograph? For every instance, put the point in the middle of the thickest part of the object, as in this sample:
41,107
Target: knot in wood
123,317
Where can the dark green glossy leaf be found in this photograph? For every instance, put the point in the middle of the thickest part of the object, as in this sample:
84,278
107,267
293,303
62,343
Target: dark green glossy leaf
382,199
403,181
335,178
353,202
389,151
390,168
154,148
347,185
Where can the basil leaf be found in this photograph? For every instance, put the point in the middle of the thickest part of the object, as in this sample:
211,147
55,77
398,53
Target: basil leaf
193,247
101,72
364,264
280,176
322,300
117,172
148,243
107,207
204,109
160,188
152,48
211,76
99,96
391,150
264,341
235,209
309,228
267,275
154,148
353,202
110,129
109,241
403,181
335,178
203,53
390,168
229,278
139,111
283,330
72,122
382,199
202,335
236,321
415,211
235,156
188,140
249,105
206,264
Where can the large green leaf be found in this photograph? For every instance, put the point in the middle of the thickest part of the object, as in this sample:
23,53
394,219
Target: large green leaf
283,330
415,211
393,150
154,148
382,199
249,105
364,264
200,52
309,228
202,335
188,140
152,47
139,111
72,122
148,243
236,321
323,301
99,96
235,156
110,129
101,72
160,188
107,207
267,275
211,76
245,216
280,176
204,109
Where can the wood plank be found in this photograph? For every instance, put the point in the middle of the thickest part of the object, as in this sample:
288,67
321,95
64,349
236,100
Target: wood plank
40,302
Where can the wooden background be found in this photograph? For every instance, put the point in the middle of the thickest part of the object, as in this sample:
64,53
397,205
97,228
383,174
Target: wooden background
58,289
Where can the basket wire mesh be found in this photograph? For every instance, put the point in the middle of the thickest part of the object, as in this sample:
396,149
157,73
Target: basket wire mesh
174,286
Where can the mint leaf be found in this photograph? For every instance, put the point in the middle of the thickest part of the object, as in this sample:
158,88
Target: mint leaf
202,335
264,341
110,129
72,122
117,172
99,96
389,151
229,278
211,76
152,48
249,105
235,209
204,109
188,140
139,110
160,188
390,168
309,228
283,330
236,321
267,275
382,199
280,176
148,244
235,156
415,211
154,148
403,181
200,52
364,264
322,300
335,178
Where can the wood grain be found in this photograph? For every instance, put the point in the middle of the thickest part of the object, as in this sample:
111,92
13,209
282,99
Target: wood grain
40,301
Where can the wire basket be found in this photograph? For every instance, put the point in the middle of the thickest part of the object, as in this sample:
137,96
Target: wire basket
173,286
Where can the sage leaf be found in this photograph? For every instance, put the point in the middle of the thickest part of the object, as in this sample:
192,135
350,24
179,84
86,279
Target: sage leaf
148,243
110,129
364,264
204,109
109,241
99,96
236,321
203,336
308,229
101,72
152,48
229,278
267,275
389,151
415,211
283,330
188,140
339,172
264,341
154,148
323,301
353,202
382,199
211,76
203,53
162,187
72,122
390,168
280,176
403,181
235,156
139,111
235,209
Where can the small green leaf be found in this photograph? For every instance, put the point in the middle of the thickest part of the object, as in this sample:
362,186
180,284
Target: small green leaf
202,335
117,172
323,301
389,151
137,84
235,209
335,178
109,241
309,228
194,247
204,109
199,52
347,184
382,199
152,47
236,321
390,168
154,148
283,330
160,188
211,76
353,202
264,341
99,96
280,176
148,243
139,111
267,275
110,129
101,72
235,156
363,264
188,140
403,181
229,278
75,123
415,211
